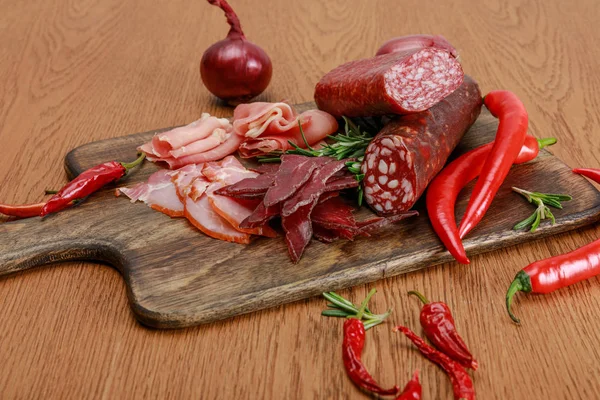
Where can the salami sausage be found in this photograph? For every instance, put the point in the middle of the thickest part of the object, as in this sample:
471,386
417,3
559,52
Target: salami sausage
410,150
397,83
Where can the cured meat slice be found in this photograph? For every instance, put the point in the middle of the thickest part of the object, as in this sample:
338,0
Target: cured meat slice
183,177
341,183
227,171
396,83
164,143
324,235
409,151
158,192
260,216
235,211
334,212
294,172
217,137
316,126
266,168
327,195
249,187
298,230
253,119
373,224
314,188
201,214
224,149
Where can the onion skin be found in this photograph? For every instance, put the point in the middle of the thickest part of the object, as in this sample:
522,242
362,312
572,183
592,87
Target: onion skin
412,42
235,69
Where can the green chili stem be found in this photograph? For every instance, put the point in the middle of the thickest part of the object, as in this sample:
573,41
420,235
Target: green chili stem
135,163
419,295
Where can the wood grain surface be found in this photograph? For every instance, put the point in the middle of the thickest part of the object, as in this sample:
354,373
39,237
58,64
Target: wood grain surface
77,71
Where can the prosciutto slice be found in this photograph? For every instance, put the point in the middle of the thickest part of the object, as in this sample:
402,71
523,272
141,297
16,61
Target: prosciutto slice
159,193
316,126
224,149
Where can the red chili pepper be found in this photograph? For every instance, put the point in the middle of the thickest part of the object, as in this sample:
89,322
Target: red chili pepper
352,347
593,174
462,384
88,182
438,323
509,140
412,390
23,211
553,273
444,189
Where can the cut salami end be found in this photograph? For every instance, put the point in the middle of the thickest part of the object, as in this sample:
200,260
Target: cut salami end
397,83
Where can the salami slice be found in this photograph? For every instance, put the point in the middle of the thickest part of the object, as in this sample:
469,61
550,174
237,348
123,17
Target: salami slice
410,150
396,83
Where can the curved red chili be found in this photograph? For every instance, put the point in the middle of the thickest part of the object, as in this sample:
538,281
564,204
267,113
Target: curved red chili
553,273
88,182
352,347
412,390
22,211
510,137
462,385
593,174
438,323
444,189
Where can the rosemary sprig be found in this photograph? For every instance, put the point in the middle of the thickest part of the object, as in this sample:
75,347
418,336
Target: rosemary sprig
542,201
351,144
341,308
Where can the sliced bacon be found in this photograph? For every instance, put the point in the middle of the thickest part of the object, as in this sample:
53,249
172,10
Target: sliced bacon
227,171
183,177
316,126
159,193
235,211
202,215
313,189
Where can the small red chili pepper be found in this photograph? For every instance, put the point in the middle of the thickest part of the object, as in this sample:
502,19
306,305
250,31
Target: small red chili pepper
444,189
462,385
88,182
438,324
556,272
593,174
22,211
352,347
412,390
510,137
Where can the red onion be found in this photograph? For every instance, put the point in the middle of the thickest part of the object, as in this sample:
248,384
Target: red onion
411,42
235,69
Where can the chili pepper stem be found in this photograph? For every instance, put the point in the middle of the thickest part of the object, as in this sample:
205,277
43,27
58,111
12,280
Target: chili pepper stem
521,283
545,142
420,296
135,163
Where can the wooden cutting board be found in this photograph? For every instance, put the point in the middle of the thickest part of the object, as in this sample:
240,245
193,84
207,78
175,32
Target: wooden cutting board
177,277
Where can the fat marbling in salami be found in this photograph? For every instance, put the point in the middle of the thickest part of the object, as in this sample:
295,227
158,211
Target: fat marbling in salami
397,83
410,150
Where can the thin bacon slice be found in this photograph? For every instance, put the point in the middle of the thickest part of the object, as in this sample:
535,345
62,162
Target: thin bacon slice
235,211
159,193
227,171
183,177
201,214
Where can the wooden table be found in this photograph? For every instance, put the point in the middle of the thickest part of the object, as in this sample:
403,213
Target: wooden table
72,72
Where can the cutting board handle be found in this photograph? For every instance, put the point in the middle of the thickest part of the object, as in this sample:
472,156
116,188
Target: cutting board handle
32,242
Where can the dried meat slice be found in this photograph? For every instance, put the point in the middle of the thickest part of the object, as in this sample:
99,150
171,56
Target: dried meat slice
201,214
334,213
158,192
294,172
249,187
261,215
298,230
314,188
